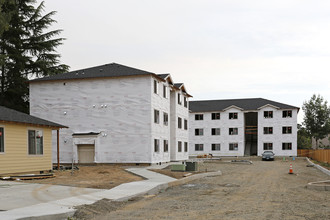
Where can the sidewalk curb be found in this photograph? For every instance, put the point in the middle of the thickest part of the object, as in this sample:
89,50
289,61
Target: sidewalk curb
324,170
164,186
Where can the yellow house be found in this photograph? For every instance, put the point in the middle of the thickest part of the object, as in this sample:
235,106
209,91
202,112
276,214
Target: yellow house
25,142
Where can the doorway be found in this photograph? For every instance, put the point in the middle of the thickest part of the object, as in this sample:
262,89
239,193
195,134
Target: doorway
86,153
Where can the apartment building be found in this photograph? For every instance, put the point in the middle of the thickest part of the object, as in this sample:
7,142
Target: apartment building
238,127
115,114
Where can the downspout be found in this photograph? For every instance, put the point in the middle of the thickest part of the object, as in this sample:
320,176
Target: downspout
58,149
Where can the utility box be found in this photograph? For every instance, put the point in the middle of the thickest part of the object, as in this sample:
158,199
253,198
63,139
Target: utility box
178,167
191,166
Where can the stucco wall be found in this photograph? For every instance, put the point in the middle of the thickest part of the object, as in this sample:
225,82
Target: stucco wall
224,138
179,134
118,108
160,131
277,138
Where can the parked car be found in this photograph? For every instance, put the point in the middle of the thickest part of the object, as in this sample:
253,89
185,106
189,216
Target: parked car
268,155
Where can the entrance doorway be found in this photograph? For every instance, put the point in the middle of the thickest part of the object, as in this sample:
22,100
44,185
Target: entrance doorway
86,153
251,133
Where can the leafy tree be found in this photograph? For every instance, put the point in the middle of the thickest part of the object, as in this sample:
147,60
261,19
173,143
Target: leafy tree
317,117
304,139
27,50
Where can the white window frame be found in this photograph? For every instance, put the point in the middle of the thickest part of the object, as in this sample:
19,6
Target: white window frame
234,146
165,118
233,115
35,151
185,125
216,147
216,131
156,116
287,114
179,123
179,146
268,130
199,147
156,145
2,139
155,86
289,145
165,145
233,131
268,146
199,132
164,91
199,117
185,146
287,130
215,116
268,114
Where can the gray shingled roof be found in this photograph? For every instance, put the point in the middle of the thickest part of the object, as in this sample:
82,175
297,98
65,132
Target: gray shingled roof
245,104
178,85
163,76
107,70
10,115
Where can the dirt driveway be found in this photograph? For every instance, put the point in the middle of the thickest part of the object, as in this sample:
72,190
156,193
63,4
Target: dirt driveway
263,190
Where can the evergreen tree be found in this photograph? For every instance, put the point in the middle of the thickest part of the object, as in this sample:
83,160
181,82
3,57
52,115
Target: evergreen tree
27,50
317,117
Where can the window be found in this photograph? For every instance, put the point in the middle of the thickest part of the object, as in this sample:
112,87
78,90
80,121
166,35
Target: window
35,142
179,122
165,118
199,147
233,115
216,116
198,117
164,91
286,146
156,116
155,87
185,124
268,130
165,145
179,146
287,114
233,146
179,98
2,141
156,145
268,114
215,147
185,102
286,130
233,131
199,132
215,131
268,146
185,146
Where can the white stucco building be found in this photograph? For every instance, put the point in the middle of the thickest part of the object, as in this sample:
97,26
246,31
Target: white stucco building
115,114
239,127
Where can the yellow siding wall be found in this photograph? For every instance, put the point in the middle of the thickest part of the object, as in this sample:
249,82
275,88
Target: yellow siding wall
15,159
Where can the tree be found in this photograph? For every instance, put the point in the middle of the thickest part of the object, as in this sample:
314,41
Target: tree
27,50
317,117
304,139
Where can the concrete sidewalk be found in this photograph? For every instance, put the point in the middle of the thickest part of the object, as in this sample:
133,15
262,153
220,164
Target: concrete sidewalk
62,208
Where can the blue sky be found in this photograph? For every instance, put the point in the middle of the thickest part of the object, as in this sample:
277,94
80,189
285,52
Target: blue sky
220,49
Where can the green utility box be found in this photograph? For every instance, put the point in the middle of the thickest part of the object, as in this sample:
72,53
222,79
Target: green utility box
191,166
178,167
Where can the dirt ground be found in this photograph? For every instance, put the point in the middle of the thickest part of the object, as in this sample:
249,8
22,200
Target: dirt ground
263,190
100,177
